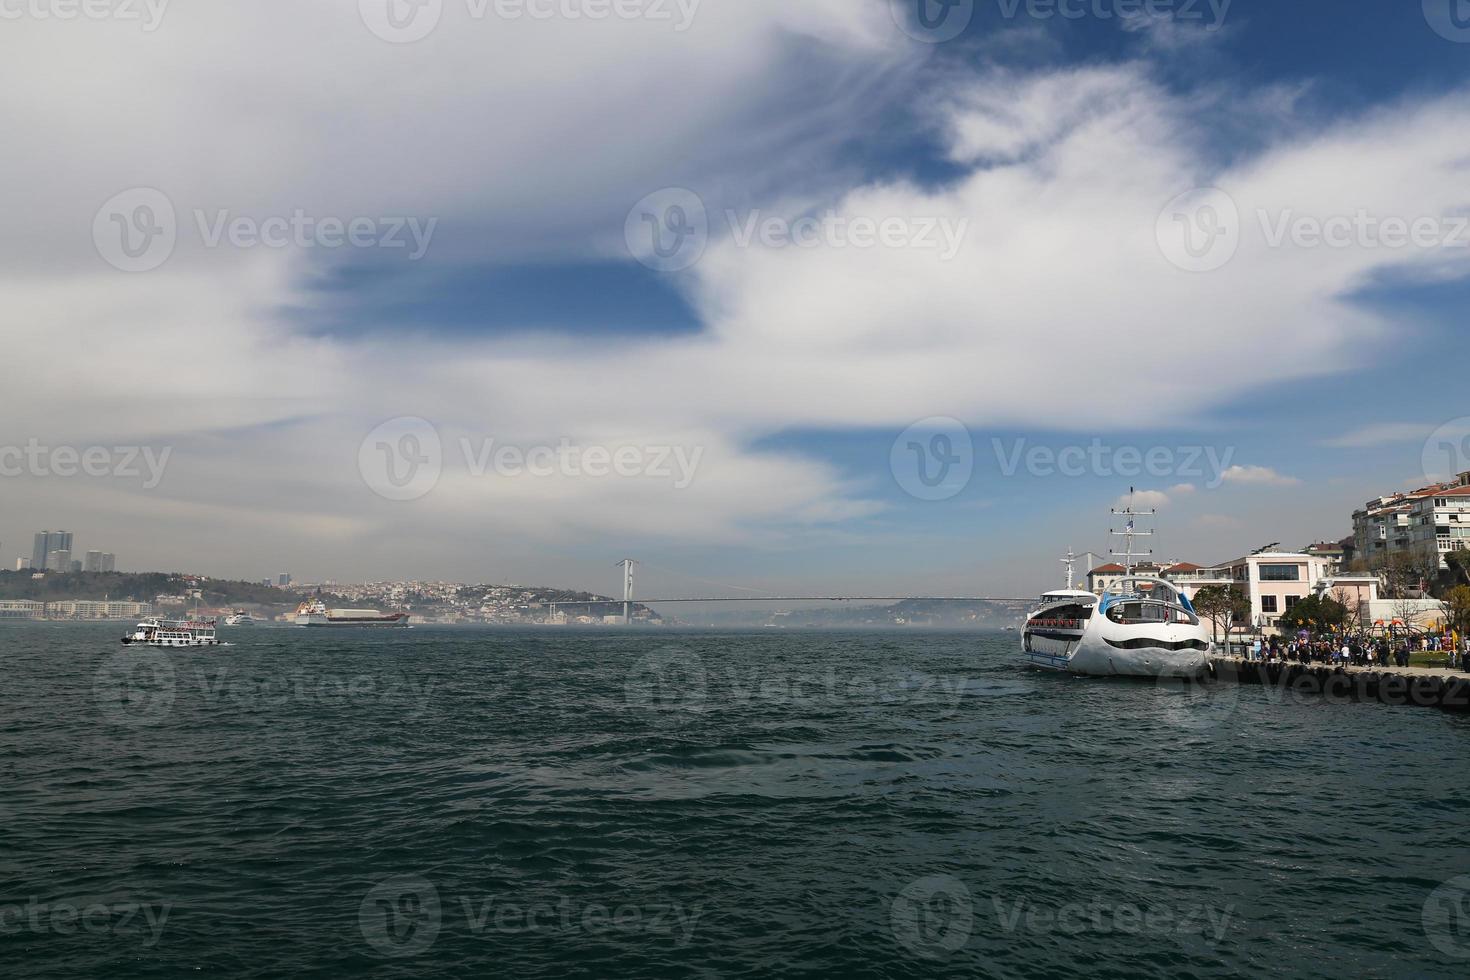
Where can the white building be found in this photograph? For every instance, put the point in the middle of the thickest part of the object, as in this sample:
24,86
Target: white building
1438,524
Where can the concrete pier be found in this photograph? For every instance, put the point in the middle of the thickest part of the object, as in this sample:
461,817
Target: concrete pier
1423,687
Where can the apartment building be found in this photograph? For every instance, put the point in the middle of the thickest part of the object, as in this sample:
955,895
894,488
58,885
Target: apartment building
1422,524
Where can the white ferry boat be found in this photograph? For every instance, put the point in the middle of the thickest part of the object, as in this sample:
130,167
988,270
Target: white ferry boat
240,618
171,633
1141,626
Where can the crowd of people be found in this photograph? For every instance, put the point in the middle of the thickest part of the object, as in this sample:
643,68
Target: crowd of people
1360,649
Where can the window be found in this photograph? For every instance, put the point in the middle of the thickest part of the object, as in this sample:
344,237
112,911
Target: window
1292,600
1268,604
1281,573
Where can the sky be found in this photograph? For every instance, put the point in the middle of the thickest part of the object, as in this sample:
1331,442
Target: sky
832,296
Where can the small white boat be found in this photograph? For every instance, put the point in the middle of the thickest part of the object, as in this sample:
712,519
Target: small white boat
170,633
240,618
1141,626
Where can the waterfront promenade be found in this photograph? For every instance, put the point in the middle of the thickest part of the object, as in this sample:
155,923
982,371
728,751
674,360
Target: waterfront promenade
1424,687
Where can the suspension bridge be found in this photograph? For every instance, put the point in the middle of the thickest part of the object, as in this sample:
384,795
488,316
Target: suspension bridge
628,600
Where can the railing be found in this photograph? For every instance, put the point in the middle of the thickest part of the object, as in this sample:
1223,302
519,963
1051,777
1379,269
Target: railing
1055,624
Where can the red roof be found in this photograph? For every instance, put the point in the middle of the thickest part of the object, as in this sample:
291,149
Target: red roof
1109,569
1184,566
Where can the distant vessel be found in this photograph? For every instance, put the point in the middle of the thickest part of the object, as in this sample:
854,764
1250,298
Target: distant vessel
167,633
240,618
315,613
1141,626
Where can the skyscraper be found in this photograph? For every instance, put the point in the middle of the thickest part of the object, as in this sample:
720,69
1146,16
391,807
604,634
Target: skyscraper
94,562
58,561
109,562
47,542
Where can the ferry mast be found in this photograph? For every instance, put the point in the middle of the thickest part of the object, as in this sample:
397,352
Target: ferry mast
1129,532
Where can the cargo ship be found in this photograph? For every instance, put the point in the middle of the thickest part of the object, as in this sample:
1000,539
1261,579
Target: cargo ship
316,613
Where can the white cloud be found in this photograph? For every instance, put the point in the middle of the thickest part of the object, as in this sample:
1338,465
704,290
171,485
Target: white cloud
1064,175
1258,475
1143,500
1381,434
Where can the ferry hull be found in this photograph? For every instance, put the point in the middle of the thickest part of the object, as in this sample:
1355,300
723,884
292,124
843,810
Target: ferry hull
389,622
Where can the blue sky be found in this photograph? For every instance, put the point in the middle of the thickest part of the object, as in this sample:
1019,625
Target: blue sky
1050,148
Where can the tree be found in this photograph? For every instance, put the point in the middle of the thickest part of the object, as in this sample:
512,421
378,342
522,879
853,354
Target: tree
1223,604
1313,614
1353,603
1457,605
1459,563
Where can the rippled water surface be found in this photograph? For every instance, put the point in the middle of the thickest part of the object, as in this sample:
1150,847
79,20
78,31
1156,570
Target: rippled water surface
662,804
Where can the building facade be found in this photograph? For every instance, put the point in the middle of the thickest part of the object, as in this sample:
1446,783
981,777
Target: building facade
1420,525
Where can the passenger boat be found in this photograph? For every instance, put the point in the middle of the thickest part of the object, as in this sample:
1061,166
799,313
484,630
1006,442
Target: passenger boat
172,633
1141,626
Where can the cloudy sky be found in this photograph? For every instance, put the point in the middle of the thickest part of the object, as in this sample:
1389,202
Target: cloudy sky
822,295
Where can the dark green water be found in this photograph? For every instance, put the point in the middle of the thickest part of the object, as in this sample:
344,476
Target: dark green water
630,804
